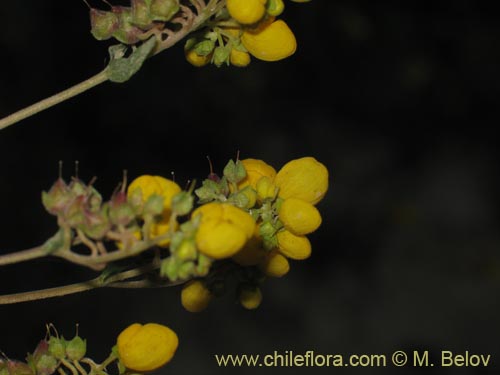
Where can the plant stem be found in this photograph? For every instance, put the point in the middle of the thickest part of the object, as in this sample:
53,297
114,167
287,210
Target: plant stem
23,255
54,99
98,282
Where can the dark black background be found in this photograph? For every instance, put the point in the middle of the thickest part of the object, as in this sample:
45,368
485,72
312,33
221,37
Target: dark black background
398,99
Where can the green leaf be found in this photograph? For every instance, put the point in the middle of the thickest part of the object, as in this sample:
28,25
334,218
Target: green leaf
121,68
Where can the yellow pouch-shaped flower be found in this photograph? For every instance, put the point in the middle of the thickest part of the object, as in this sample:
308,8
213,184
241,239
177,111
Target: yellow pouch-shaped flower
250,298
304,178
239,58
293,246
223,230
275,265
156,185
246,11
299,217
195,296
272,42
145,348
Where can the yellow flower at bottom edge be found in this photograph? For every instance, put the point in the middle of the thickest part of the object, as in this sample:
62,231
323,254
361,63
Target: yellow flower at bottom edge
224,229
250,298
239,58
273,42
145,348
304,178
195,296
275,265
197,60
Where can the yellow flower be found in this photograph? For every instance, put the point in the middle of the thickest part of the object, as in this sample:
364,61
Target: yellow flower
270,42
246,11
224,229
250,298
293,246
197,60
148,185
299,217
145,348
195,296
239,58
266,189
256,169
275,7
275,265
304,178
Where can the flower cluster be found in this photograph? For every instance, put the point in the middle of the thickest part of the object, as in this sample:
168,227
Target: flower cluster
248,28
139,349
248,224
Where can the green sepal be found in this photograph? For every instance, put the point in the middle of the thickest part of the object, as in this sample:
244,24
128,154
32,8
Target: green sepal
164,10
141,15
221,55
182,203
121,69
57,347
76,348
234,172
204,48
154,205
103,24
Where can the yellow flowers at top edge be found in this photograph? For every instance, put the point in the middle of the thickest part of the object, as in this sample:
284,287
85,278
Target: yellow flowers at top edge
256,169
147,347
246,11
158,185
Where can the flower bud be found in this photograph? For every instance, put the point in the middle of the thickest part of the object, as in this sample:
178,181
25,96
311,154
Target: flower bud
275,265
186,250
103,24
164,10
126,32
250,297
57,198
154,205
266,189
221,56
234,172
182,203
195,296
239,58
293,246
275,7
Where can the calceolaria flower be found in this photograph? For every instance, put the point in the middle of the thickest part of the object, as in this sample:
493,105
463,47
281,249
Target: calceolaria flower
144,348
195,296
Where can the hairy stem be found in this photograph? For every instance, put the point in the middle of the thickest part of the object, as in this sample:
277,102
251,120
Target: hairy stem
54,99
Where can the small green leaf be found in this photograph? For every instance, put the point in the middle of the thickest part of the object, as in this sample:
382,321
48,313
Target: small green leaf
122,68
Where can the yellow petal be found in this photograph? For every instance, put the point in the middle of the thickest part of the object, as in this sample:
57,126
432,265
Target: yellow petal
221,240
256,169
195,296
271,43
304,178
239,58
145,348
250,298
299,217
293,246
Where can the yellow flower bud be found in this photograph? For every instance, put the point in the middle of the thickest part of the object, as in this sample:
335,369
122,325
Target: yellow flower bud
299,217
223,230
304,178
155,185
255,170
196,60
292,246
195,296
273,42
246,11
266,189
250,298
145,348
239,58
275,265
275,7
